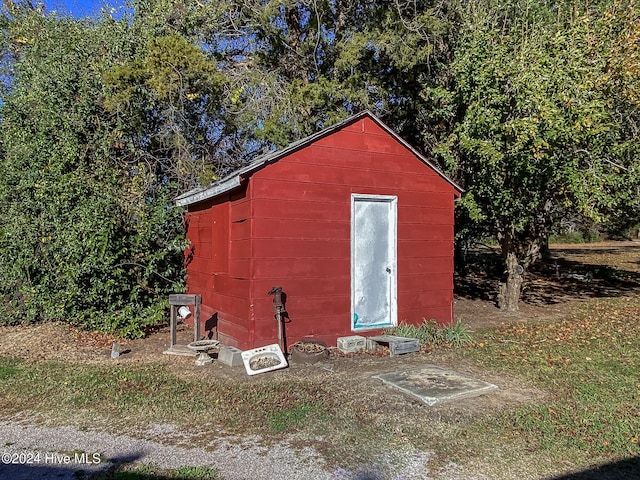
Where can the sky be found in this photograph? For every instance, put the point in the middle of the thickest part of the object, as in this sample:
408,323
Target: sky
80,8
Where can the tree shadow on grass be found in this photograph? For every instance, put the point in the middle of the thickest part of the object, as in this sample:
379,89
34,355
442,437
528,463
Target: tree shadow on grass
627,469
553,280
119,468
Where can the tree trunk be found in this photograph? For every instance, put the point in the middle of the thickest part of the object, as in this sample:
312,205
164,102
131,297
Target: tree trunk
545,251
510,288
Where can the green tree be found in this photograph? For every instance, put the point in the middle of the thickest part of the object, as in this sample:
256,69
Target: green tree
294,67
167,104
80,240
541,129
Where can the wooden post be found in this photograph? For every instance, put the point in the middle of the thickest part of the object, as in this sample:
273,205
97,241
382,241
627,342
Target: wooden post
173,324
196,318
178,299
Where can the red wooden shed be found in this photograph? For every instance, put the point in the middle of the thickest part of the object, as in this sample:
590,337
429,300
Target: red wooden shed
353,223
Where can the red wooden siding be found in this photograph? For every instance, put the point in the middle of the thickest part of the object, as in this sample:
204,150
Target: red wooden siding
301,232
289,225
217,232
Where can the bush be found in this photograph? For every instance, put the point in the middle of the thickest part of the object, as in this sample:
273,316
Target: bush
581,236
86,235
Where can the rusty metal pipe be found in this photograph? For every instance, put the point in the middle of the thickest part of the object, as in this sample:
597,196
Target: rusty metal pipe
278,306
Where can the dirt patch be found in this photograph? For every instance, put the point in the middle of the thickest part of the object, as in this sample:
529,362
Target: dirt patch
571,274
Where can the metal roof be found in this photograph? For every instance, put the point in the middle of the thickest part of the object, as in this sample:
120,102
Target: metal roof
234,179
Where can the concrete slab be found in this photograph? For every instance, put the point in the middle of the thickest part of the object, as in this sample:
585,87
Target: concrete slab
432,384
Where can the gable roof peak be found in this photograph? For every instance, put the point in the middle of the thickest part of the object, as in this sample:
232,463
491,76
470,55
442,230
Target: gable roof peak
234,179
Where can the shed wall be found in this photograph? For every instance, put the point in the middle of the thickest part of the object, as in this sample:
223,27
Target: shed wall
218,266
301,232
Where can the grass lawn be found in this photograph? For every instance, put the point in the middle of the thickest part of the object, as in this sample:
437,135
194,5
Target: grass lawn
127,472
589,366
586,365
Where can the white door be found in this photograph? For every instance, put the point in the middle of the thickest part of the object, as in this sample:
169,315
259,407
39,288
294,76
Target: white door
373,261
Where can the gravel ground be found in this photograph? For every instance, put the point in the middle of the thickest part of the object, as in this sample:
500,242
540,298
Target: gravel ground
66,453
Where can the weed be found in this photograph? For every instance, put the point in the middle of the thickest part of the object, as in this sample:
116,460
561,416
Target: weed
430,332
457,334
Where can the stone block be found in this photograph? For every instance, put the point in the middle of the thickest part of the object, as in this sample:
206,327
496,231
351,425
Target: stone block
352,344
231,356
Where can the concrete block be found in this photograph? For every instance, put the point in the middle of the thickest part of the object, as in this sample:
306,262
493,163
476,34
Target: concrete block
371,345
231,356
352,344
405,346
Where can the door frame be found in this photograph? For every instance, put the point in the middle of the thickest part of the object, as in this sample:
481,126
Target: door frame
392,200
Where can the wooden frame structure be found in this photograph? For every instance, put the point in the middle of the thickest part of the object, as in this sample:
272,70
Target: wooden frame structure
175,301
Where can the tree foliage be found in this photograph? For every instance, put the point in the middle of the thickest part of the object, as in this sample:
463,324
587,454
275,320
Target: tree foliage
542,130
166,101
532,105
79,239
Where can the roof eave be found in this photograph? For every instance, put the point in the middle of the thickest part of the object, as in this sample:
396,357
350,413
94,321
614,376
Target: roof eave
201,194
233,181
